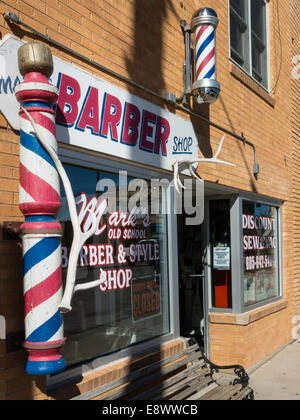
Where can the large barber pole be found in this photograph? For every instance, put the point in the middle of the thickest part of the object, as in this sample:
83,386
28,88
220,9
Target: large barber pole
40,203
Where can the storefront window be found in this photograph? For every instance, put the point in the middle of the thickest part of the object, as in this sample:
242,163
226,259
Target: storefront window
132,305
260,252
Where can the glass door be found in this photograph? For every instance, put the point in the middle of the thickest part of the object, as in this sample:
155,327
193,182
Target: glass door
191,281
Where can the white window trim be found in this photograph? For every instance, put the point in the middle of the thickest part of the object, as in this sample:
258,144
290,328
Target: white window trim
237,268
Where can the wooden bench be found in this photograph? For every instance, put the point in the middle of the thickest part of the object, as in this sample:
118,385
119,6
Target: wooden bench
188,375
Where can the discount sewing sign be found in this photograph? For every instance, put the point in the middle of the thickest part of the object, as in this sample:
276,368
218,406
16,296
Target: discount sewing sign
261,242
259,223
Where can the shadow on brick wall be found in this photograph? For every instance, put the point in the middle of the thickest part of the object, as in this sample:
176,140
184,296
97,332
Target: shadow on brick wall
145,64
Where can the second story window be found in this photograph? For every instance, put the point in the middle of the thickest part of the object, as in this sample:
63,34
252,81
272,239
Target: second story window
248,37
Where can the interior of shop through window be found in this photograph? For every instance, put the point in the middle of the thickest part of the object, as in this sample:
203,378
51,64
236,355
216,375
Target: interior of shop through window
220,246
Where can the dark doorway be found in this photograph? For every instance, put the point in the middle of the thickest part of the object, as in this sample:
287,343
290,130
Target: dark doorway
191,278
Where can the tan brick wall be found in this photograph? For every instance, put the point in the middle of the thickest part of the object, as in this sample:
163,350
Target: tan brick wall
295,119
265,122
249,338
143,40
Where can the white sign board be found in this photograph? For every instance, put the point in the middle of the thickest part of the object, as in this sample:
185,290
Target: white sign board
221,258
96,115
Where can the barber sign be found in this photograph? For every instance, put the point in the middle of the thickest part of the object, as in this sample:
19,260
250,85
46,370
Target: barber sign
96,115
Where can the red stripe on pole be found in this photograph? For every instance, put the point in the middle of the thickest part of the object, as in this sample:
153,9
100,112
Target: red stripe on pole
42,291
205,61
41,120
37,188
201,31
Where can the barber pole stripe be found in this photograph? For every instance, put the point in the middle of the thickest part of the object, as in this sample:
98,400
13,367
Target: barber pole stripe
45,121
42,296
31,170
31,144
24,196
40,202
39,293
38,175
205,52
44,330
48,332
37,187
32,277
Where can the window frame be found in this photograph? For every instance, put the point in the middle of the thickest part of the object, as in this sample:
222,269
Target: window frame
248,68
91,160
278,205
236,254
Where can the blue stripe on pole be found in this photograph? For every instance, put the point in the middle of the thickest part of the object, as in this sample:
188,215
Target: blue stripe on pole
205,44
46,330
30,104
40,218
45,368
31,143
210,73
39,252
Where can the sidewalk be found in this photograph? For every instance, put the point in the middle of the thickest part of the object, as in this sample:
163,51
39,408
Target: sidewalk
279,378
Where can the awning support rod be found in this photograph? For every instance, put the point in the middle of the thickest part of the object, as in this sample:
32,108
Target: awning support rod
12,17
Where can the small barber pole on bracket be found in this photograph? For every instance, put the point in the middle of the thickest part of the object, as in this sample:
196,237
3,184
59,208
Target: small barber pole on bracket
205,87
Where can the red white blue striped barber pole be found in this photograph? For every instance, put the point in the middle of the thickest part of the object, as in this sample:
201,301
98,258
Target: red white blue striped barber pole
41,233
205,52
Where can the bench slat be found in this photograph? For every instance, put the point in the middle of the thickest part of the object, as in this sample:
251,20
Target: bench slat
154,376
192,388
203,391
136,374
230,392
220,392
196,377
164,383
179,380
245,392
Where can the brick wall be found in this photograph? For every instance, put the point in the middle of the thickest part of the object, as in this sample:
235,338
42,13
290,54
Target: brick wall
295,112
143,40
264,120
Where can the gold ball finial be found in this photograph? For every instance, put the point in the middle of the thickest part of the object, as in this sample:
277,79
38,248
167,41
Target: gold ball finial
35,57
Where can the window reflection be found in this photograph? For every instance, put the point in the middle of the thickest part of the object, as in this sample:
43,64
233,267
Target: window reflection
132,306
260,250
219,216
